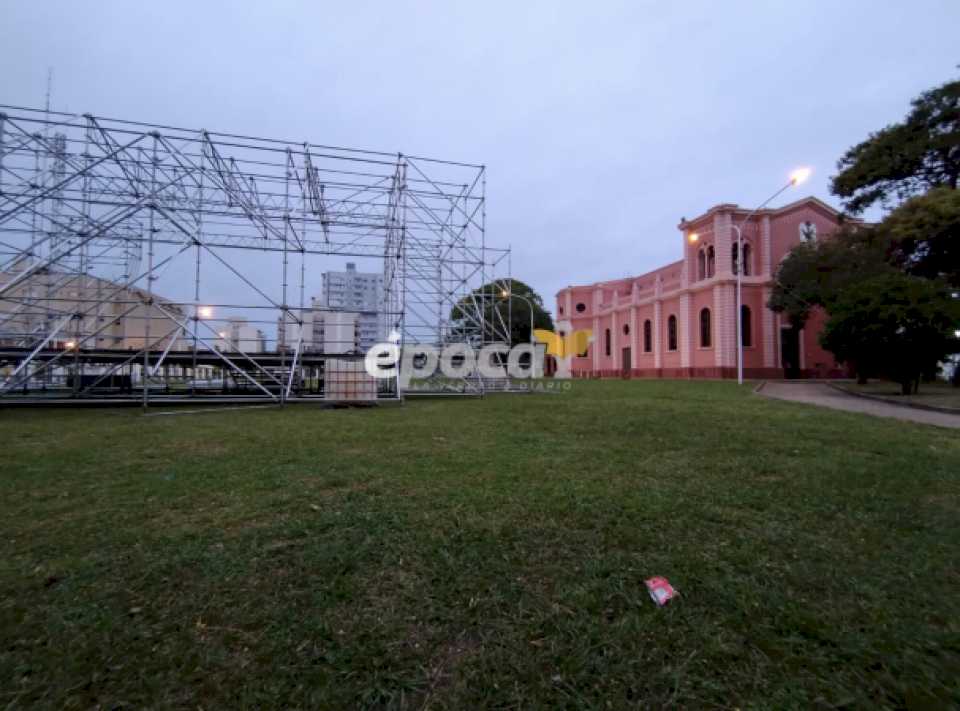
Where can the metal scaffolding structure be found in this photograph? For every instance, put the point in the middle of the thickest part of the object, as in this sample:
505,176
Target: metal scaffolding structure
129,250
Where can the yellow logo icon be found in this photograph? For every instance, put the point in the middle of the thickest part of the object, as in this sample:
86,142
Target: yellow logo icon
562,346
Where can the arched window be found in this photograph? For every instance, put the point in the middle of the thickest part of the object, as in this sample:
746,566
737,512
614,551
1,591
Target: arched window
746,259
606,341
701,265
711,261
734,260
746,334
705,328
672,333
647,336
626,329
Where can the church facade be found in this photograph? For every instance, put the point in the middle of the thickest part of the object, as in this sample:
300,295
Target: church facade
679,321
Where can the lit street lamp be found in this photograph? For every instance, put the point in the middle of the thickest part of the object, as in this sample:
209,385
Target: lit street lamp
796,177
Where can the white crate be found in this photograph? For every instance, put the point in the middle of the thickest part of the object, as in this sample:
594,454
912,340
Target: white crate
348,381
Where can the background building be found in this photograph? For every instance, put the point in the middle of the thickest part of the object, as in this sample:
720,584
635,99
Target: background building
323,331
360,292
85,311
680,320
239,335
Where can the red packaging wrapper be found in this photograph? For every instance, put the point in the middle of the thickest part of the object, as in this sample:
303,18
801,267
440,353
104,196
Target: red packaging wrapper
661,591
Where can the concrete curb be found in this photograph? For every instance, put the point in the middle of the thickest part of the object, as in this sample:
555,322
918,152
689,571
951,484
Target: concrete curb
913,405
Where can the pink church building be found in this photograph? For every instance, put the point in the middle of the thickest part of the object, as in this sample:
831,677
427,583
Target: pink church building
678,321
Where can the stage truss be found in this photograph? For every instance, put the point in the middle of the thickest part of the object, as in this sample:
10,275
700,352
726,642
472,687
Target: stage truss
127,248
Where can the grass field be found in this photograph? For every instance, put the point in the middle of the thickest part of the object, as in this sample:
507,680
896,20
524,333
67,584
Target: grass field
465,553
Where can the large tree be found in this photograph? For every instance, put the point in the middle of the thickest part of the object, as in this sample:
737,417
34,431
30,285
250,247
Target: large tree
815,274
907,158
889,289
506,305
923,235
895,326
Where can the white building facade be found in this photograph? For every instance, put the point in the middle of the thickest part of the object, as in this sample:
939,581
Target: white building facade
323,331
238,335
358,292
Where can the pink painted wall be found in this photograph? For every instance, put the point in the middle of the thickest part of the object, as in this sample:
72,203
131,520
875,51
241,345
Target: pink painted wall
785,229
753,354
679,291
703,357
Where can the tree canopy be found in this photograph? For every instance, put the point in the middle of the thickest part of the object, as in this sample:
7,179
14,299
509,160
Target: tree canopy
889,289
907,158
923,235
815,274
894,325
506,305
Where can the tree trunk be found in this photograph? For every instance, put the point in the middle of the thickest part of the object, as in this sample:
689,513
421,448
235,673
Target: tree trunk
906,385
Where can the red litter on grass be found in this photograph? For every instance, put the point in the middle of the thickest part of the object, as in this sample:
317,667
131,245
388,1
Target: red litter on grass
660,589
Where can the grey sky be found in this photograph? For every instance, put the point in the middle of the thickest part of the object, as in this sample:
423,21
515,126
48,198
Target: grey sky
601,123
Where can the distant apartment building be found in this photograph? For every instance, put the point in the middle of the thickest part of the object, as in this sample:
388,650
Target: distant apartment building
360,292
323,331
86,312
239,335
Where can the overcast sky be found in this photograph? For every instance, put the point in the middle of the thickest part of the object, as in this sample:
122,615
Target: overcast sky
601,123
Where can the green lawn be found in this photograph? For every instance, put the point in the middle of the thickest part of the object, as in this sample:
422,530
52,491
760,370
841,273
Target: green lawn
481,553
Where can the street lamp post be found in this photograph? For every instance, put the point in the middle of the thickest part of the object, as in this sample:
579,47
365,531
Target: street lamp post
796,177
507,294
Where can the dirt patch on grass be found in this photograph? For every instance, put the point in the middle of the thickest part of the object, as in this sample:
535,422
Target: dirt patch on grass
325,488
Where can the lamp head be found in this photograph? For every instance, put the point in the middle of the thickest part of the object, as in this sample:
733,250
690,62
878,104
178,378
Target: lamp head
800,175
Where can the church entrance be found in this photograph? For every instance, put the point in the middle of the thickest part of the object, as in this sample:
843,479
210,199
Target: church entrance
790,352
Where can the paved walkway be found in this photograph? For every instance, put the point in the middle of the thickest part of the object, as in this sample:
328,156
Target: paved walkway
825,396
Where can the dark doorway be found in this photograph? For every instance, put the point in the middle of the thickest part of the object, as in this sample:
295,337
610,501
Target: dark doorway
549,366
626,365
790,352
